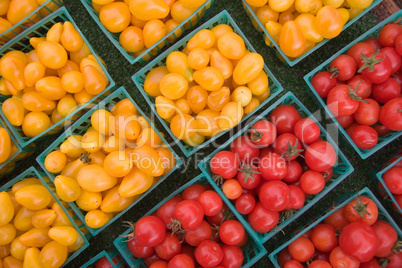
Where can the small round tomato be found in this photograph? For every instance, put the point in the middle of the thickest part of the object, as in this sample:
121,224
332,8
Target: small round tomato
246,150
368,112
312,182
329,22
274,195
189,213
362,209
231,232
245,204
307,131
320,156
150,231
360,85
291,39
138,250
364,137
324,237
211,202
337,219
338,259
390,115
225,164
386,91
196,236
263,133
169,247
284,118
263,220
343,101
388,34
387,237
375,67
359,49
343,67
209,253
295,170
323,82
248,176
232,256
272,167
181,261
393,179
345,121
301,249
296,197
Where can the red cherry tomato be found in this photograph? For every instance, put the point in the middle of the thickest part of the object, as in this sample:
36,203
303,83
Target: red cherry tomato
196,236
361,86
209,253
390,115
296,197
373,42
398,44
263,220
138,250
263,133
364,137
284,117
306,130
312,182
368,112
337,219
345,121
274,195
375,67
323,82
245,204
165,212
169,247
320,156
232,257
193,192
343,101
103,263
231,232
211,202
361,209
225,164
388,34
248,176
386,91
150,231
387,237
245,149
358,49
272,167
181,261
339,259
301,249
295,170
393,179
324,237
288,146
189,213
394,57
343,67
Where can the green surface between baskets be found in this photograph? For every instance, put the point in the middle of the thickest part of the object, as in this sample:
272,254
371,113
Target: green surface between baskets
252,251
279,52
22,43
110,256
341,169
29,18
139,78
382,140
189,23
342,201
80,128
390,197
32,172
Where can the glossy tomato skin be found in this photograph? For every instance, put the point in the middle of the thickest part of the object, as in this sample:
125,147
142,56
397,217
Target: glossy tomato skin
301,249
358,49
169,247
295,170
361,209
323,82
296,197
307,131
165,212
393,179
359,240
274,195
337,219
181,261
232,256
398,44
284,117
196,236
390,116
312,182
364,137
375,67
272,167
245,204
373,42
263,220
209,253
231,232
246,150
387,237
211,202
386,91
150,231
342,101
324,237
373,263
368,112
343,67
362,87
138,250
282,144
339,259
388,34
103,263
320,156
395,260
345,121
263,133
225,164
394,57
193,192
248,176
190,213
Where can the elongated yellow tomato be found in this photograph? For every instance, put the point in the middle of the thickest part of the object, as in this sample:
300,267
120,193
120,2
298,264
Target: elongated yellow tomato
61,217
67,188
54,33
92,141
56,117
3,88
291,39
248,68
6,208
94,81
209,78
55,161
217,99
153,31
232,46
10,261
102,121
134,183
7,234
257,3
114,202
203,39
280,5
32,258
36,237
53,254
231,115
149,9
50,87
72,81
152,80
16,205
115,16
198,58
35,102
97,218
177,62
72,146
192,3
173,86
52,54
359,4
117,164
89,200
17,249
124,107
43,218
328,22
4,251
132,39
5,145
260,84
77,244
19,9
180,13
94,178
113,143
208,122
34,197
33,72
65,235
164,107
4,25
306,23
23,219
70,38
183,106
71,169
223,64
12,69
148,160
35,123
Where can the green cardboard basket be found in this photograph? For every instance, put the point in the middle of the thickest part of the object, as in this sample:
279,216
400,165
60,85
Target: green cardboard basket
22,43
80,128
341,169
82,230
293,61
139,78
382,140
342,201
48,7
252,251
114,258
204,10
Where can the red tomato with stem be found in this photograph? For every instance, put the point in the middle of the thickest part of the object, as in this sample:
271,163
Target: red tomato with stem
150,231
368,112
387,237
323,82
274,195
394,260
245,149
288,146
359,49
263,220
386,91
231,232
209,253
263,133
361,86
225,164
339,259
361,209
284,117
375,67
343,67
391,115
343,101
181,261
364,137
320,156
189,213
165,212
248,176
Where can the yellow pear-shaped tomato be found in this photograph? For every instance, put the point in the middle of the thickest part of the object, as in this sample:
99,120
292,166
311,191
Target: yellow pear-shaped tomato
248,68
71,169
4,5
67,188
54,33
56,117
70,66
152,80
115,16
43,218
149,9
32,56
183,126
150,137
102,121
52,54
4,25
306,23
177,62
72,81
231,115
6,208
61,217
32,258
3,88
35,123
208,122
5,145
217,99
35,102
183,106
134,183
89,200
17,249
124,107
173,86
10,261
72,146
53,254
55,161
223,64
266,13
26,182
97,157
197,98
34,41
77,244
171,25
19,9
328,22
65,235
92,141
232,46
97,218
164,107
23,219
292,40
94,81
254,103
148,160
198,58
82,53
7,234
66,105
34,197
117,164
12,69
132,39
203,39
113,143
4,251
153,31
114,202
70,38
280,5
36,237
33,72
209,78
94,178
260,84
50,87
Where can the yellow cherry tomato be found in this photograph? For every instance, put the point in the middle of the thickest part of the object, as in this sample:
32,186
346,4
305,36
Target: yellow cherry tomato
265,13
149,9
231,115
254,103
232,46
5,145
32,258
196,140
117,164
152,80
223,64
173,86
34,197
177,62
112,144
172,35
4,251
291,39
83,97
72,146
94,178
7,234
354,12
17,249
168,159
248,68
50,87
53,254
183,106
43,218
164,107
72,168
127,128
18,10
21,184
243,95
183,126
209,78
150,137
217,99
92,141
89,200
134,183
359,4
35,123
55,32
306,23
333,3
94,81
66,105
55,161
70,66
260,84
72,81
23,219
180,13
285,16
52,54
198,58
67,188
12,69
280,5
203,39
102,121
97,218
33,72
36,237
197,98
328,22
115,16
207,121
114,202
6,208
308,6
124,107
154,30
257,3
65,235
55,117
132,39
61,217
148,160
344,14
35,102
82,53
70,38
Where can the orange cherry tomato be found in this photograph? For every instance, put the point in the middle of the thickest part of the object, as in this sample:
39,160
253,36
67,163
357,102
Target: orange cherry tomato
14,110
173,86
33,72
117,164
207,121
66,105
70,38
132,39
35,102
179,12
154,30
115,16
248,68
114,202
168,159
70,66
55,161
43,218
152,80
232,189
254,103
134,183
52,54
94,178
149,9
94,81
164,107
148,160
217,99
202,39
36,237
328,22
54,33
12,69
260,84
292,40
35,123
97,218
223,64
198,58
197,98
231,115
7,209
183,106
77,56
72,81
67,188
177,62
209,78
53,254
88,201
266,13
232,46
50,87
149,137
18,10
23,219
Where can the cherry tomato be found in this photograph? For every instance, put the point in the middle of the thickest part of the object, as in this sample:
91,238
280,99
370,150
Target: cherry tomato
274,195
362,209
395,260
193,192
272,167
337,219
373,42
345,121
284,117
103,263
324,237
320,156
225,164
388,34
201,233
398,44
307,131
292,40
211,202
248,176
386,91
362,87
359,49
339,259
312,182
263,220
245,149
263,133
393,179
181,261
245,204
189,213
138,250
294,172
390,115
375,67
343,101
301,249
165,212
296,197
169,247
209,253
343,67
364,137
150,231
387,237
395,58
329,22
368,112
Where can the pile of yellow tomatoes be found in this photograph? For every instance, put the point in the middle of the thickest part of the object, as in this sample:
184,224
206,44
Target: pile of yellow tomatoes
49,82
142,23
209,86
298,25
34,230
105,170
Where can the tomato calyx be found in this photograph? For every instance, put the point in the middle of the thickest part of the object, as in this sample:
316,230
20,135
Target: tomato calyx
248,171
361,208
175,226
131,235
397,247
288,214
292,151
369,62
383,262
256,136
218,179
334,72
84,158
